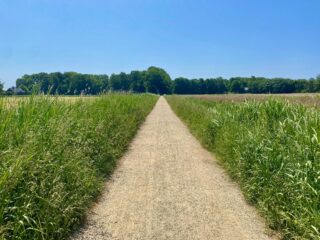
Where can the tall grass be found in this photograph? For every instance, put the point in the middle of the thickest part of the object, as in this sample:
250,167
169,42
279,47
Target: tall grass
272,149
54,157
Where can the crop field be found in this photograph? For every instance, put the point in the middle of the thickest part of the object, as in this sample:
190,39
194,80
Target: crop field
307,99
13,101
270,147
55,156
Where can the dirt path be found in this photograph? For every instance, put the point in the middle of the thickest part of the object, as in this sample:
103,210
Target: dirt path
168,187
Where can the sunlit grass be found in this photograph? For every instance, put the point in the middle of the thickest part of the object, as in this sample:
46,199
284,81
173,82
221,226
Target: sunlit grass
272,148
307,99
54,157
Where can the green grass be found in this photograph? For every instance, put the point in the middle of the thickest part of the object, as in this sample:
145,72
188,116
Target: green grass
272,149
55,156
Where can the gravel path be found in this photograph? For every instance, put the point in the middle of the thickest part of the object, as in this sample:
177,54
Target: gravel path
168,186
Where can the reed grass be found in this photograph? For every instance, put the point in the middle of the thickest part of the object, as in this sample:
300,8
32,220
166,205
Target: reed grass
55,156
272,149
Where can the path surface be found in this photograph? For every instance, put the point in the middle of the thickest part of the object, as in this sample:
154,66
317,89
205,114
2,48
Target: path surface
169,187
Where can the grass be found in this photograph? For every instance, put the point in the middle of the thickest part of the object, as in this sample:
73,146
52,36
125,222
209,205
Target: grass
55,156
272,149
13,101
307,99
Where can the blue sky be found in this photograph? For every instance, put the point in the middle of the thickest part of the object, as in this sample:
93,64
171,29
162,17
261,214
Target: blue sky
198,38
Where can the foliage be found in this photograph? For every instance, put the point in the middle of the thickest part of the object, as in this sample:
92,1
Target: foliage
54,158
157,80
272,149
1,88
69,83
200,86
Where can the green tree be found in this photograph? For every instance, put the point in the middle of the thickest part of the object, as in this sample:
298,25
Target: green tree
124,81
182,86
137,81
1,88
158,81
115,82
237,85
280,85
215,85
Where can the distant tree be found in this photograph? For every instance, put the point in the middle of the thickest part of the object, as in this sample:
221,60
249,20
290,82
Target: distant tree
25,89
215,86
221,85
237,85
10,91
137,81
202,87
26,82
1,88
314,84
195,86
301,85
115,82
256,85
124,81
279,85
158,81
182,86
104,82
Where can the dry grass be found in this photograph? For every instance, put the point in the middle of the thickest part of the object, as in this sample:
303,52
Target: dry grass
13,101
307,99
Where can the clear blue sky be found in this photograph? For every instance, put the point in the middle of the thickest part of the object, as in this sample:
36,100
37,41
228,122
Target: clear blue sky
191,38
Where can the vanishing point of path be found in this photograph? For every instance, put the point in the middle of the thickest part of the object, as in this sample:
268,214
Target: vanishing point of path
168,186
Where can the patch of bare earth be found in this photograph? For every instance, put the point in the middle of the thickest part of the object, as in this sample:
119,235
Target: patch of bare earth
168,186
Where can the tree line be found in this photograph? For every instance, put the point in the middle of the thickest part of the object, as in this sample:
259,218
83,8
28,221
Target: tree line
1,88
154,80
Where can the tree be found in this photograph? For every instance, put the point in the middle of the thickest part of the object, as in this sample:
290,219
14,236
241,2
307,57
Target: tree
158,81
221,85
114,82
182,86
104,81
124,81
137,81
237,85
1,88
280,85
10,91
215,86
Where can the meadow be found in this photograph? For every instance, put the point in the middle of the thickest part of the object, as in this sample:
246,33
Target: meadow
307,99
270,147
13,101
55,156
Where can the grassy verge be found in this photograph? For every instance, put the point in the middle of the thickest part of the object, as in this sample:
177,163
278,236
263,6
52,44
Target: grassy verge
54,157
272,149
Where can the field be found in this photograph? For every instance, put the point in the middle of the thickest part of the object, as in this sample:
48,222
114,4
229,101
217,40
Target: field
270,147
13,101
57,152
307,99
55,157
